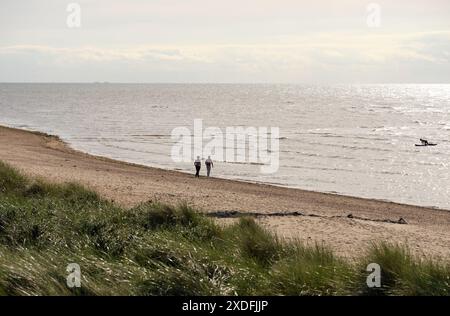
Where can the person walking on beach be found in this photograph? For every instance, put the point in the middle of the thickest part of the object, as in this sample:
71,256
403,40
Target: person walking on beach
209,164
198,165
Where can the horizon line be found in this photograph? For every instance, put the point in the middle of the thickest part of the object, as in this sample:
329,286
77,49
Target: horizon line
225,83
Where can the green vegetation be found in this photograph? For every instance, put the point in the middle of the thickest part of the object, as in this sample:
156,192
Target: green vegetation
156,249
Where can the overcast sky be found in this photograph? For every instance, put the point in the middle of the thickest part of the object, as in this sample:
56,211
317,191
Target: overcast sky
280,41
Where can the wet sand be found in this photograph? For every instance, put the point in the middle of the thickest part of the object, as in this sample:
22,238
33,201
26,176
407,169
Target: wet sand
347,224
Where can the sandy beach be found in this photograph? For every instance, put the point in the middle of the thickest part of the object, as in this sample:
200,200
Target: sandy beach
347,224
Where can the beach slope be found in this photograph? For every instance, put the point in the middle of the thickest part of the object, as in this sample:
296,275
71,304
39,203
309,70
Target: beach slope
347,224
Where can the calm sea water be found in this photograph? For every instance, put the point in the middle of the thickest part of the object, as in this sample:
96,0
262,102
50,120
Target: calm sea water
350,139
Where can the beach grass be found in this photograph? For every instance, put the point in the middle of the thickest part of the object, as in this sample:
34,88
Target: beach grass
158,249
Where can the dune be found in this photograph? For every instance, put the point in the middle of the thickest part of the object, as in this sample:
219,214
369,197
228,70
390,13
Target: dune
346,224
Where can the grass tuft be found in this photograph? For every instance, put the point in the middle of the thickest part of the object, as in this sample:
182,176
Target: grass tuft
256,242
404,274
10,179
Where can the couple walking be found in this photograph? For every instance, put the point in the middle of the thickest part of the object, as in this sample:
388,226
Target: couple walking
198,164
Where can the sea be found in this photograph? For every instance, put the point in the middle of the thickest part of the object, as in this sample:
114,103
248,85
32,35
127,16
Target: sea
356,140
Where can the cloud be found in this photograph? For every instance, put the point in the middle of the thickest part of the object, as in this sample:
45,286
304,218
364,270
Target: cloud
301,58
94,54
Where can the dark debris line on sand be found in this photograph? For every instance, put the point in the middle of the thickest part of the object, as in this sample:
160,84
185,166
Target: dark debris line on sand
237,214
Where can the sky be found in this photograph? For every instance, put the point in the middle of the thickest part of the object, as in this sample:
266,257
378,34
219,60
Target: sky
233,41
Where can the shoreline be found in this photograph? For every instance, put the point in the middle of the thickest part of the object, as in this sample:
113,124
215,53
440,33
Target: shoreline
343,222
68,147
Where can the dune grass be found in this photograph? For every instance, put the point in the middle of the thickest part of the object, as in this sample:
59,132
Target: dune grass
157,249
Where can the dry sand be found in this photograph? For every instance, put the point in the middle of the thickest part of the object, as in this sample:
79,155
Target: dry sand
322,217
